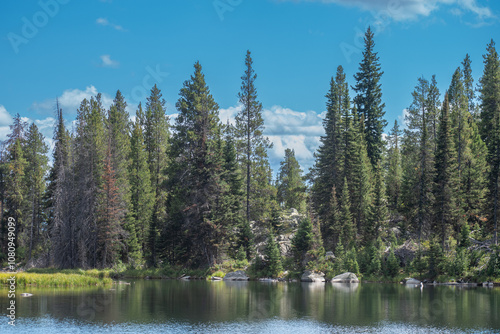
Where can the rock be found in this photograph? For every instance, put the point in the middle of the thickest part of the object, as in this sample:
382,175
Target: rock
412,281
267,279
330,256
216,278
406,252
185,277
238,275
346,278
309,276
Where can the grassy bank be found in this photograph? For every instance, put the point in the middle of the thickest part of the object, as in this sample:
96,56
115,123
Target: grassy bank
54,279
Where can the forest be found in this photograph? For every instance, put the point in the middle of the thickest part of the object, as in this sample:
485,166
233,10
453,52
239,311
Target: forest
149,192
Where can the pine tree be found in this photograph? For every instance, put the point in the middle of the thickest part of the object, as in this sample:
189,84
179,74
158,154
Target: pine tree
234,196
141,193
378,208
59,198
489,90
419,167
90,151
37,166
156,136
360,186
332,226
195,181
328,163
290,186
302,240
347,227
470,92
252,147
110,214
369,99
272,256
15,185
433,110
445,178
394,170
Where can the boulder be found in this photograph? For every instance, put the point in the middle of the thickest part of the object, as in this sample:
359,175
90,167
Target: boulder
330,256
412,281
238,275
309,276
346,278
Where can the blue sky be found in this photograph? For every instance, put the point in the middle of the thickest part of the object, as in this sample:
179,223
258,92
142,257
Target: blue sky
73,49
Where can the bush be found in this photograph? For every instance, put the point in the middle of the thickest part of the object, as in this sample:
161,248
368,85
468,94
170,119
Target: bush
392,264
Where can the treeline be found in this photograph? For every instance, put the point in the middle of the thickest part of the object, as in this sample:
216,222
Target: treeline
155,191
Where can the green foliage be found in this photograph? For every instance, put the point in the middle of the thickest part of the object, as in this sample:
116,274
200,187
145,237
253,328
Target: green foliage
290,186
351,262
436,259
369,99
252,148
493,267
272,257
302,241
392,264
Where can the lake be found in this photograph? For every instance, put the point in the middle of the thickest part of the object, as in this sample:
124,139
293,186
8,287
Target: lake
153,306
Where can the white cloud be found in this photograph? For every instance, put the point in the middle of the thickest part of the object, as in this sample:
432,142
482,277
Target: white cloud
286,128
108,62
403,10
402,119
104,22
5,117
70,100
5,121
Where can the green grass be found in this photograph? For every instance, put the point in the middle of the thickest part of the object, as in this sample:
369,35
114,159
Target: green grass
54,279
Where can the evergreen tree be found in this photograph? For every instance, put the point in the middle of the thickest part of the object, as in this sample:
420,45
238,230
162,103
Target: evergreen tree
110,214
332,225
16,195
290,186
378,208
195,182
119,142
302,240
360,186
489,90
252,147
141,193
235,196
90,151
328,162
369,98
419,168
394,170
156,136
392,264
36,168
347,227
445,179
272,256
470,92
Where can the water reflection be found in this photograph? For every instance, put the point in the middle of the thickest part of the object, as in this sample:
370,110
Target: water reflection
203,302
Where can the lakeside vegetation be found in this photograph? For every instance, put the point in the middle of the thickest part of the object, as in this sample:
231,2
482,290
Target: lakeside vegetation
75,278
153,199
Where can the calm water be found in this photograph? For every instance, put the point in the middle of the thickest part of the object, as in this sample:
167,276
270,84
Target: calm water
255,307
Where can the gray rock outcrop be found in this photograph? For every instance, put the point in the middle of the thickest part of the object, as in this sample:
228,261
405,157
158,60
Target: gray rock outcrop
238,275
309,276
345,278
